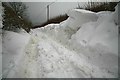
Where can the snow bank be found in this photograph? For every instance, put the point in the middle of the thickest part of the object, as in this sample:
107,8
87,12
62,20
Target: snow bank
78,17
95,35
0,55
100,38
12,50
70,26
104,31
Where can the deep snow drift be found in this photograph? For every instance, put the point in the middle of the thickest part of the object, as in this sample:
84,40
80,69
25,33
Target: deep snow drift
83,46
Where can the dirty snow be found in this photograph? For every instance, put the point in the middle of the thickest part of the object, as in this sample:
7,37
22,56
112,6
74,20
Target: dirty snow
83,46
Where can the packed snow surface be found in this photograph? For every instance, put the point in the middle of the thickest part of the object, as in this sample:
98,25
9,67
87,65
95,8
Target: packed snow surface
83,46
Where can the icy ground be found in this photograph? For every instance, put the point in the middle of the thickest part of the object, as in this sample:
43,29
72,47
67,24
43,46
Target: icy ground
83,46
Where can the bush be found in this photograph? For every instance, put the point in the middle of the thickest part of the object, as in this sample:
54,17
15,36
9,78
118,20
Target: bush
13,17
99,6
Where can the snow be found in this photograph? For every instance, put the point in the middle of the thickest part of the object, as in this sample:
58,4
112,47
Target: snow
83,46
13,47
0,58
78,17
105,33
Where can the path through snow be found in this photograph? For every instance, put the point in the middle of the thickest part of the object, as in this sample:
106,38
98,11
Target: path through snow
46,58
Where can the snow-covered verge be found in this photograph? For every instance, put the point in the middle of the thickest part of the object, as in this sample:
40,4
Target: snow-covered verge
83,46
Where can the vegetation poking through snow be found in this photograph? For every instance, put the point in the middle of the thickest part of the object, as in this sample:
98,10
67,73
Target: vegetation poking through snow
14,17
99,6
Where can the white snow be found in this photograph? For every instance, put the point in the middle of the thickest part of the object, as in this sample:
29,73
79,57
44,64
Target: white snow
78,17
83,46
0,55
13,45
104,31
